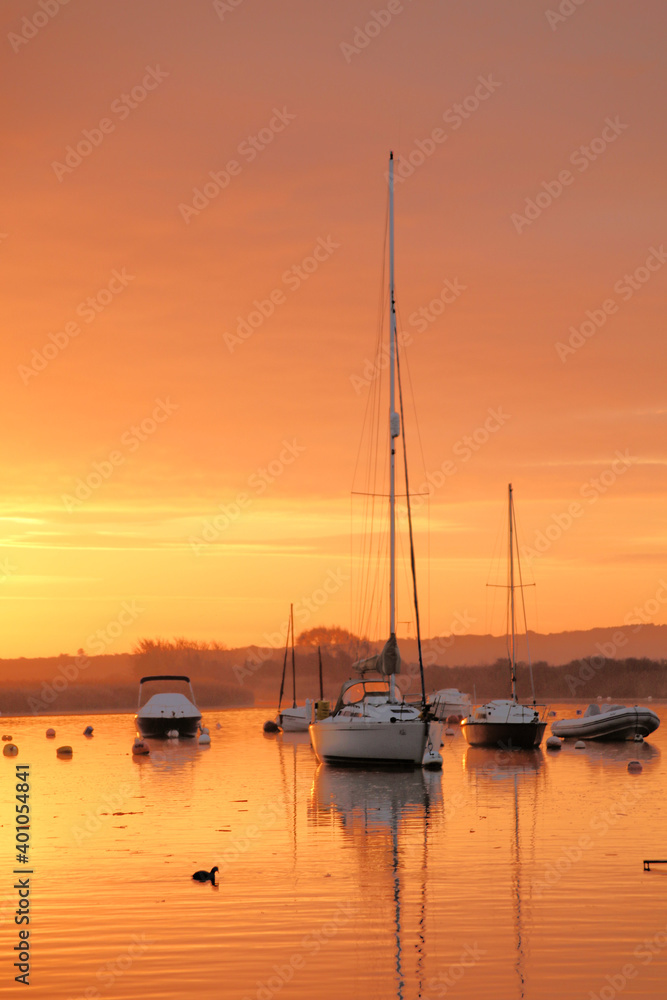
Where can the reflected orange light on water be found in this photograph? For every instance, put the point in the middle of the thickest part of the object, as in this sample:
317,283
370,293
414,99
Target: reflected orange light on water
389,883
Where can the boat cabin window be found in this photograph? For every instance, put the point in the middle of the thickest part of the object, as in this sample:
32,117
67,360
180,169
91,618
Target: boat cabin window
365,689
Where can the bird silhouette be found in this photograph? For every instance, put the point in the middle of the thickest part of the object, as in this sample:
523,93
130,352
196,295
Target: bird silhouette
204,876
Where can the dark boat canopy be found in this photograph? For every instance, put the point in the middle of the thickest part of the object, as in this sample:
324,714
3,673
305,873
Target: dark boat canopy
165,677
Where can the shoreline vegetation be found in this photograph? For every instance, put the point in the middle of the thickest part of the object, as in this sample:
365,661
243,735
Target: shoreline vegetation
250,676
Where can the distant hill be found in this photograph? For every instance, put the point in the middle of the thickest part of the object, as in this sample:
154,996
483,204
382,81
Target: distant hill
626,662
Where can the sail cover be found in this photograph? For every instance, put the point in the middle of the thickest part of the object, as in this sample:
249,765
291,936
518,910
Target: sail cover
386,662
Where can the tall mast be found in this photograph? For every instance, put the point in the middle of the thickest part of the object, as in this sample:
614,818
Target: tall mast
394,419
512,621
291,617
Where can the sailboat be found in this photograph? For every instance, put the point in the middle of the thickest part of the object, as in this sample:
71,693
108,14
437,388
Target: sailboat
292,719
504,722
371,724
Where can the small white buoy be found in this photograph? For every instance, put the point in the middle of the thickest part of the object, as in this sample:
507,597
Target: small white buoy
50,733
634,767
139,747
172,734
432,760
650,698
553,743
580,745
639,738
204,736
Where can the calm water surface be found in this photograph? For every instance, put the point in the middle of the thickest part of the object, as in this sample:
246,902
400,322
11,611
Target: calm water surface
505,876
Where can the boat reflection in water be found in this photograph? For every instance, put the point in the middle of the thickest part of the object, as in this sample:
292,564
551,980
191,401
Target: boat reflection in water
387,817
495,776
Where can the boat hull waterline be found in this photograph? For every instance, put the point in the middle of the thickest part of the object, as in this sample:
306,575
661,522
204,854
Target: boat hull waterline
167,711
294,720
159,728
505,735
365,742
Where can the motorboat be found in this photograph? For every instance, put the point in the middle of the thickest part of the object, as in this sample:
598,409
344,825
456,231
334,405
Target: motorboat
169,709
504,722
371,723
608,722
450,702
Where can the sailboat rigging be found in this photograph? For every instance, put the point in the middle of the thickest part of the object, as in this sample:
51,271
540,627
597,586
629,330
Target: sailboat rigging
296,718
371,723
505,722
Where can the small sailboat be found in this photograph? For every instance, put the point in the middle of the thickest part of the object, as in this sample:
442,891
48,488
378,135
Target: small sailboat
504,722
371,723
296,718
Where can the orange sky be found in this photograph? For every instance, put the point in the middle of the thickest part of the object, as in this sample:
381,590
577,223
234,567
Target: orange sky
294,107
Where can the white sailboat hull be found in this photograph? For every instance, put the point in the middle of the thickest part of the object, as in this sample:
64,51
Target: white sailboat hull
294,720
367,742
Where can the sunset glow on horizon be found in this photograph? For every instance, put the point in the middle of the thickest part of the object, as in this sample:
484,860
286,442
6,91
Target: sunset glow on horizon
193,243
